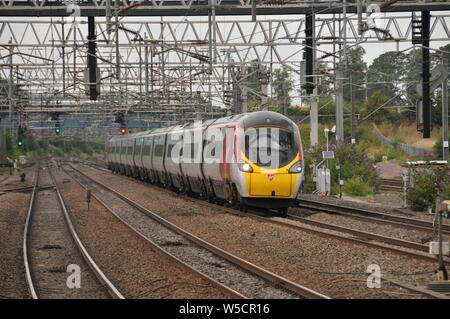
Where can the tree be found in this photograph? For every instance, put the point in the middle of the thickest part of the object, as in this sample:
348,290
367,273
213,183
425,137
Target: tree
356,68
436,98
283,84
387,73
413,74
372,104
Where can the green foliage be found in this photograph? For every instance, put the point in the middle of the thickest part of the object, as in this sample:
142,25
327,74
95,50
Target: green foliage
356,67
353,162
430,183
387,73
438,147
355,186
38,148
374,106
305,130
436,108
327,107
366,137
283,84
391,152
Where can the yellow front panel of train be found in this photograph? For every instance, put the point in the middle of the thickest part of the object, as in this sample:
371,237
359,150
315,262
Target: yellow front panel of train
270,184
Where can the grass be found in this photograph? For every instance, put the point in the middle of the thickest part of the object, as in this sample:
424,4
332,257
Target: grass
368,140
407,133
4,170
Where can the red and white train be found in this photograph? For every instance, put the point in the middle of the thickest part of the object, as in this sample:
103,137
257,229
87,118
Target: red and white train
251,159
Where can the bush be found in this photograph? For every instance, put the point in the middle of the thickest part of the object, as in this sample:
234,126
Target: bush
355,186
353,162
430,183
438,147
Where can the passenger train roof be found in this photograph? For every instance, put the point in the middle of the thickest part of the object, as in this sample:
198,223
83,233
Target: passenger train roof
250,119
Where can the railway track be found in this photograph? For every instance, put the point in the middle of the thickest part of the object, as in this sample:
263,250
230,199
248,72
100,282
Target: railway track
51,244
371,216
4,179
194,251
411,249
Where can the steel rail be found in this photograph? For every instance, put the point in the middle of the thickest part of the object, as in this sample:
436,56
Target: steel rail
421,249
256,215
26,232
225,289
363,234
25,189
271,277
4,179
389,240
112,290
26,241
370,215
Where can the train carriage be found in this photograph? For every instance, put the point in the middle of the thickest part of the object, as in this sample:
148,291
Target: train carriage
252,159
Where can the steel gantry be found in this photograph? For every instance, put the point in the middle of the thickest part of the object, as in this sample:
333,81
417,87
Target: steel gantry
162,70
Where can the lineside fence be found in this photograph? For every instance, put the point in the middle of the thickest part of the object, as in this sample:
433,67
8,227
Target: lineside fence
408,149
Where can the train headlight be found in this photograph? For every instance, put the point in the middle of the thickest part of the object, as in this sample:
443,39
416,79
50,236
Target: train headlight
296,168
245,167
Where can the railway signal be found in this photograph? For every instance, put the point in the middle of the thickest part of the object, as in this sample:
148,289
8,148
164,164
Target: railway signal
20,132
57,128
120,118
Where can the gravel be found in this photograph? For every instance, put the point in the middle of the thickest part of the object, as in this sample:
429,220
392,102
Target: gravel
330,266
375,207
192,254
13,181
52,250
130,262
13,213
376,228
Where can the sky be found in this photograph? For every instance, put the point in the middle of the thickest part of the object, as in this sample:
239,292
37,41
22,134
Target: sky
373,50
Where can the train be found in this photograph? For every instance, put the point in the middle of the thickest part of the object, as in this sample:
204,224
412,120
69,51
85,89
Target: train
251,159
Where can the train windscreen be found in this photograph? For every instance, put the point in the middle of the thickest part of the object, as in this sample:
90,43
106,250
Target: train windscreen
270,147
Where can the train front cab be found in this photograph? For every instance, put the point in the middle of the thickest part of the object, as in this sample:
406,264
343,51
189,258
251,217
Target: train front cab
275,184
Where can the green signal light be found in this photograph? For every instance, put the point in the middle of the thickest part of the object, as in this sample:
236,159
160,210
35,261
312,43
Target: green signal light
20,143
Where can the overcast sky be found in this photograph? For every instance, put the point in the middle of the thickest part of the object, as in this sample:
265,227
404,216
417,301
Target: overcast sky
372,50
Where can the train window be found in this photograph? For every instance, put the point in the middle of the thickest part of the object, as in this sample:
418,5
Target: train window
138,150
270,147
146,151
159,148
169,150
130,150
